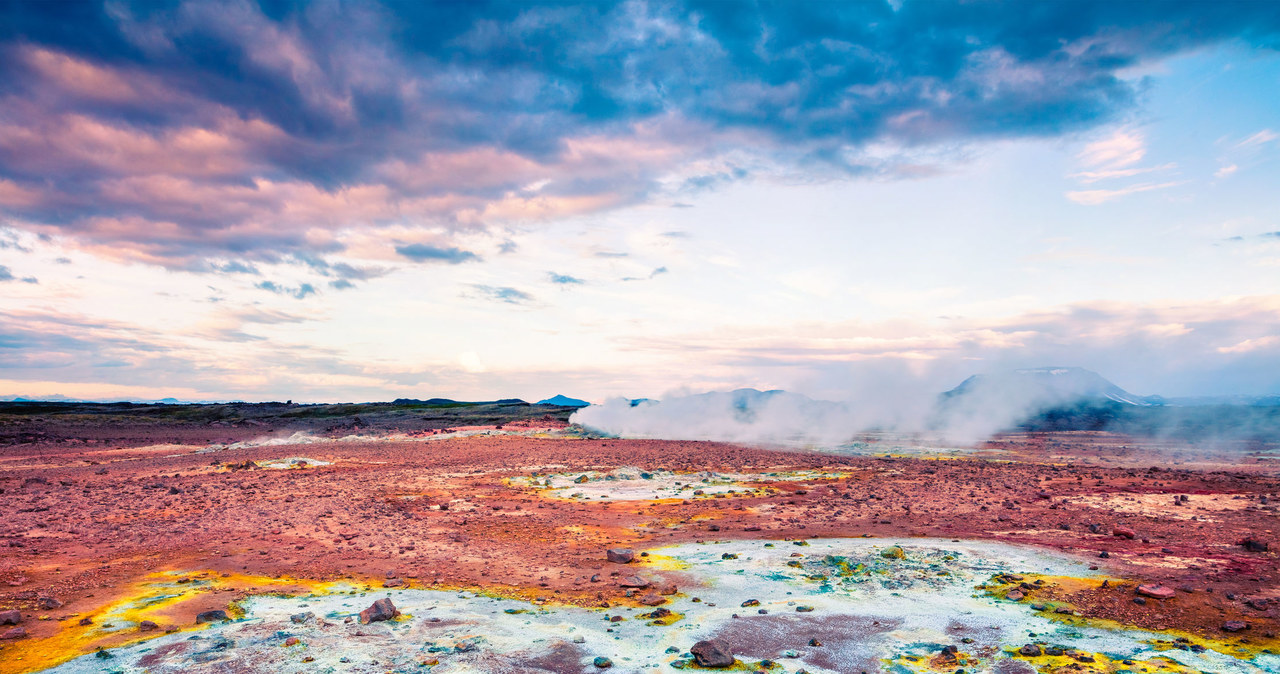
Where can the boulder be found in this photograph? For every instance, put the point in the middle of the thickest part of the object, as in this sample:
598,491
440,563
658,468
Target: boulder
147,626
211,616
10,617
653,599
13,633
1124,532
633,581
1234,626
381,609
712,653
620,555
1156,591
1030,650
48,603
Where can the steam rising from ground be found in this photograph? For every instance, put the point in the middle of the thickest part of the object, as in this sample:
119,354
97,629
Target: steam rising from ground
968,414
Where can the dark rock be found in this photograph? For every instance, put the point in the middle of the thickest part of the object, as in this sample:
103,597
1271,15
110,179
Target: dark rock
48,603
10,617
1030,650
381,609
1254,545
712,653
211,616
620,555
1124,532
147,626
300,618
602,662
633,581
1234,626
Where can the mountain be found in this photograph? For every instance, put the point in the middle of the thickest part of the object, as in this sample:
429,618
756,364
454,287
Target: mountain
564,401
1046,387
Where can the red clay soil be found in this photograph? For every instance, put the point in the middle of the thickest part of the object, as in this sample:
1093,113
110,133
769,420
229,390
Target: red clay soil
79,521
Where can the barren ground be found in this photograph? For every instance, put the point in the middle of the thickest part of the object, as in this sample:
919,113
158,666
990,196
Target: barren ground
83,520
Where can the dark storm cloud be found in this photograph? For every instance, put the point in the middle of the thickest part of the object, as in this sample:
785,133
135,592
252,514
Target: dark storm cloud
175,131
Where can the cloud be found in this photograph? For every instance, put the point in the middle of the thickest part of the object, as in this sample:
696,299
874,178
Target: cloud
1247,345
1226,171
656,272
1260,138
1095,197
564,279
421,252
504,294
300,292
235,267
218,130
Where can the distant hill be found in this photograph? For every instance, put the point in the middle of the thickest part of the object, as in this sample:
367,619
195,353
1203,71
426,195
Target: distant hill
564,401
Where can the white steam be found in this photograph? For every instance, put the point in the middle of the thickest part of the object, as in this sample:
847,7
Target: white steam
968,414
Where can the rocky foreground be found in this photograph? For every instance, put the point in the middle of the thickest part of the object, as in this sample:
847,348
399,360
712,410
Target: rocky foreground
82,523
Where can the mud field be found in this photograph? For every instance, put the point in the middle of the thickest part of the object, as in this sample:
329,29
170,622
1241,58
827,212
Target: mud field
1054,552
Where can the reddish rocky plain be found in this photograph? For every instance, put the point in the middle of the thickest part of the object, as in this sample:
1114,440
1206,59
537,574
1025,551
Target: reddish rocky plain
84,517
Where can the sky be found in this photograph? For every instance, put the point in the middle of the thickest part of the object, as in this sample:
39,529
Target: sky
358,201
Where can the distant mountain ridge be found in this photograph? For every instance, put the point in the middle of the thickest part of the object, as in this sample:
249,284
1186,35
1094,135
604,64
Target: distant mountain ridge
1048,386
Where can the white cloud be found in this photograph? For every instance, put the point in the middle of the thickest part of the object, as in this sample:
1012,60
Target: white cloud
1095,197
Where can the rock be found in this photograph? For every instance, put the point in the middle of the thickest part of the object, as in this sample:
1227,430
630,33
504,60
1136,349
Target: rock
804,609
1234,626
750,602
633,581
394,582
670,590
147,626
1156,591
300,618
815,643
893,552
1014,595
1254,545
652,599
48,603
211,616
1030,650
1124,532
602,662
86,621
13,633
10,617
620,555
381,609
712,653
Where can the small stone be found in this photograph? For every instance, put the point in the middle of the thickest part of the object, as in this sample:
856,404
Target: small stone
1030,650
633,581
1014,595
292,641
147,626
620,555
48,603
804,609
712,653
602,662
750,602
381,609
815,643
1234,626
86,621
300,618
10,617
